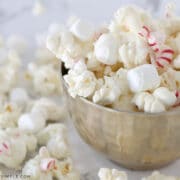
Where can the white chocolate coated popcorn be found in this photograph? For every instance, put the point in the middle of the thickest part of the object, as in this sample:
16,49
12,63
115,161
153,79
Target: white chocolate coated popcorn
81,82
114,174
157,176
148,103
54,136
142,78
106,49
14,146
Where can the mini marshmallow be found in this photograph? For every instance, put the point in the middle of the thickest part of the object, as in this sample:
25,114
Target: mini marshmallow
19,96
31,122
55,137
143,78
106,49
157,176
82,30
167,97
148,103
14,146
111,174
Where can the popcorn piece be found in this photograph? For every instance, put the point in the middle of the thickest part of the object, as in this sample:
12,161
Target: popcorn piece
108,174
38,8
167,97
53,111
142,78
17,43
106,49
55,137
43,166
45,79
176,62
19,96
133,53
9,114
80,81
31,122
82,30
14,146
157,176
113,87
148,103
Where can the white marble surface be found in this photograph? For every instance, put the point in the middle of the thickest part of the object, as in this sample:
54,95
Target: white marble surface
16,18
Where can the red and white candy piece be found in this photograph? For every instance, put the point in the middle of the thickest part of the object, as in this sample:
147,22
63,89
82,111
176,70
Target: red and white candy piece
177,93
4,148
48,164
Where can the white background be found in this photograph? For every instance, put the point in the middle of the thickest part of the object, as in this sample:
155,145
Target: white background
16,18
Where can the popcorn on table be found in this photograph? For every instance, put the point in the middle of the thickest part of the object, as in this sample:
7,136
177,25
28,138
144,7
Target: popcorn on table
44,166
14,146
144,47
54,136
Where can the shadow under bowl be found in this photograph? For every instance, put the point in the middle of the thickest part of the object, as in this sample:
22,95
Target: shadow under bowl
135,140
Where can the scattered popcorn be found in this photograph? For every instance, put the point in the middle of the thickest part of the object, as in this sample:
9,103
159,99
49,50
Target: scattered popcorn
82,30
54,136
54,111
148,103
9,114
43,166
157,176
81,82
38,8
106,49
142,78
108,174
14,146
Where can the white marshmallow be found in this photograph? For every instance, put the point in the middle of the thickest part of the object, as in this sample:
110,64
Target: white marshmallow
106,49
112,174
82,30
143,78
31,123
167,97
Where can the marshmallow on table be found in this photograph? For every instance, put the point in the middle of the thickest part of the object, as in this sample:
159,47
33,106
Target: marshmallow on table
82,30
167,97
143,78
112,174
106,49
54,136
14,146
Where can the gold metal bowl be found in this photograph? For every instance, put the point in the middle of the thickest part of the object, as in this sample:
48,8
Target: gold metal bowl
135,140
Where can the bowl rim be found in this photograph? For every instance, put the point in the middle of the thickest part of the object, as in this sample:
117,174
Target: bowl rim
104,108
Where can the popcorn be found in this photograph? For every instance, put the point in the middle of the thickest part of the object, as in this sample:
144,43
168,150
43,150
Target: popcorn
31,122
167,97
157,176
106,49
148,103
133,53
9,114
55,137
108,174
45,79
43,166
142,78
82,30
81,82
53,111
38,8
14,147
16,43
176,62
19,96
